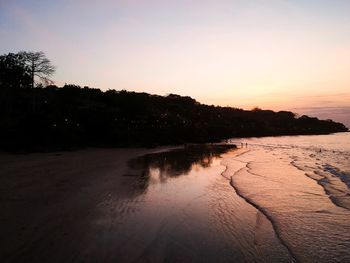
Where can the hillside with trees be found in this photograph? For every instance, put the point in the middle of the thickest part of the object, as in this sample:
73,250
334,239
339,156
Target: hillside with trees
38,116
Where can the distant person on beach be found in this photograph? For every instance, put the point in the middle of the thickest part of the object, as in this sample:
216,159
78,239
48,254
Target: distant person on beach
246,145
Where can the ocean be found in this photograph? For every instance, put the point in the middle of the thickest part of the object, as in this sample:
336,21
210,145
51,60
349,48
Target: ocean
301,183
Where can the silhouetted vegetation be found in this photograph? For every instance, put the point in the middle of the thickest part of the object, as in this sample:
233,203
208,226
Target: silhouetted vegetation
38,66
71,116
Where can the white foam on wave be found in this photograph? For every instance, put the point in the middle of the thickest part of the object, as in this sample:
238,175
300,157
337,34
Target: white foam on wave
275,181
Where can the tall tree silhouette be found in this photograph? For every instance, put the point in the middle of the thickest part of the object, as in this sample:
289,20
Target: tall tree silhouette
39,66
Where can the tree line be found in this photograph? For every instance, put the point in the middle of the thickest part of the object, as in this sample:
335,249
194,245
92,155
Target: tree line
37,115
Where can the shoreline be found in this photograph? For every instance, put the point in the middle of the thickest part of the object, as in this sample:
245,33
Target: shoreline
252,203
73,148
83,204
170,203
304,216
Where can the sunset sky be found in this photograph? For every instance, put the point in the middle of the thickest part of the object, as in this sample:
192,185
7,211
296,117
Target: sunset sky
281,55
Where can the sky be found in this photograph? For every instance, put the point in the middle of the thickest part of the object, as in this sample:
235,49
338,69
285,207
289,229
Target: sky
276,54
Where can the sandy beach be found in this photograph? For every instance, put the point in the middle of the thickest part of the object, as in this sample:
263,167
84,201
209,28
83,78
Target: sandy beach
187,204
90,206
49,200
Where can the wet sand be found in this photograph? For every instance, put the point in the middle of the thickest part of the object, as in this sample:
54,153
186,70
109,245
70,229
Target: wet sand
49,201
129,205
302,191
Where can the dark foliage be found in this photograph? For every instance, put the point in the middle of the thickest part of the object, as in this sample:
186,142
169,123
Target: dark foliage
13,71
71,116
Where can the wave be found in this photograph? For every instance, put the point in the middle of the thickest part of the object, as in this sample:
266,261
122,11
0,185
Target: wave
278,181
334,182
226,175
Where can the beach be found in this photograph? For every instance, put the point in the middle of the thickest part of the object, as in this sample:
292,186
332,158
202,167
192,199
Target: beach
209,203
49,200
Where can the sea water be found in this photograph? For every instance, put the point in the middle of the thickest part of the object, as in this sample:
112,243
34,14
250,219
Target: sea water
277,199
301,183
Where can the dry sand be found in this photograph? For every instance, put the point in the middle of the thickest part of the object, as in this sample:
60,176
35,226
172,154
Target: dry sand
48,199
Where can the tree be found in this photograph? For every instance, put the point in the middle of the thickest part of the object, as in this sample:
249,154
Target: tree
39,66
13,71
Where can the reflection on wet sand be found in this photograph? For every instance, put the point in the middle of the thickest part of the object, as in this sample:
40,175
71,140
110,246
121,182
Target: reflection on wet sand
158,167
174,206
185,210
